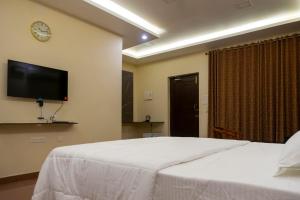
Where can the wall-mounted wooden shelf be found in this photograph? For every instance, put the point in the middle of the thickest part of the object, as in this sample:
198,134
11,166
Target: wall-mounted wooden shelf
143,123
38,123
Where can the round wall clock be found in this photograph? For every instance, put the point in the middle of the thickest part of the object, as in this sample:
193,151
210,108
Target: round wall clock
41,31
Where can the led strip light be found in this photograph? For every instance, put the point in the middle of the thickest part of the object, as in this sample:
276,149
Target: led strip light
124,14
201,39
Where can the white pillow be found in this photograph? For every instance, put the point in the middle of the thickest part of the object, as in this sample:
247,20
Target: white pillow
290,156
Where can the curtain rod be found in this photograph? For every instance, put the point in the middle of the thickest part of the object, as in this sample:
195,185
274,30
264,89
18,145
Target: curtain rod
256,43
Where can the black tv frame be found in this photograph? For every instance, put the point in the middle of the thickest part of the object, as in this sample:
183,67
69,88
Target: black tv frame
10,92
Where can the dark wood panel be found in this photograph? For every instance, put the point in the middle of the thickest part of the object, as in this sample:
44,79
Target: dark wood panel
127,96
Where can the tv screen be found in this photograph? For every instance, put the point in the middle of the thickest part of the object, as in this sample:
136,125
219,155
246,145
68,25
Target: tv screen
33,81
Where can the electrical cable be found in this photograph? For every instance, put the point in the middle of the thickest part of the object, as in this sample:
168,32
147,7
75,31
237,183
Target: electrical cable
52,117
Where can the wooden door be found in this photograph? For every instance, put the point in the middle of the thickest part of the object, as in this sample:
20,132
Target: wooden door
184,108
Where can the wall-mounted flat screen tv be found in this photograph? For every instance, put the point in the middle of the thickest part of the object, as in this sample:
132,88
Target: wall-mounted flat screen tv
33,81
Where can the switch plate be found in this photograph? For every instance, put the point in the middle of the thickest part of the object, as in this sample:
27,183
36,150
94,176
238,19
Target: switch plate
60,138
204,100
148,95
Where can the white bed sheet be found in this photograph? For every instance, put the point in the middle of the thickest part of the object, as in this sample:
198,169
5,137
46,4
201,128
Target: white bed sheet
118,170
242,173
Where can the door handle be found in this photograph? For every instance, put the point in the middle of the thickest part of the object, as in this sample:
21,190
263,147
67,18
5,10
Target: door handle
196,109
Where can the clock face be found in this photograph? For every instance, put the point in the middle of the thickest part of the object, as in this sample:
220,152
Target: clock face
40,31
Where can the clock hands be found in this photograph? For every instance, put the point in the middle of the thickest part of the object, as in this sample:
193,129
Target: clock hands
40,31
43,33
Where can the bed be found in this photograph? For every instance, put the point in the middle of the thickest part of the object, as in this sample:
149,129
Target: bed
165,168
242,173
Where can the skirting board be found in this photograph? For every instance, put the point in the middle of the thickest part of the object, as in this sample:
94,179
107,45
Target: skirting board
21,177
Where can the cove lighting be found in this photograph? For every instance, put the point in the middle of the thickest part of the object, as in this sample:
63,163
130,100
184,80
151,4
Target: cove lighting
187,42
126,15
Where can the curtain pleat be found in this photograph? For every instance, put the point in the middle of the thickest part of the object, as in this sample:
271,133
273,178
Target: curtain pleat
254,89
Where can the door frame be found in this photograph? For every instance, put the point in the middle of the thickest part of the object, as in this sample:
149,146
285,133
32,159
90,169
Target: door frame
169,98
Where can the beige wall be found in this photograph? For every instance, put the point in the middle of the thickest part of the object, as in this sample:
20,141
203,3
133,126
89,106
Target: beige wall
154,77
130,131
92,57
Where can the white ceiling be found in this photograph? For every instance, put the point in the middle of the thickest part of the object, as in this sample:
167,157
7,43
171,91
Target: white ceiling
78,8
184,19
189,18
222,43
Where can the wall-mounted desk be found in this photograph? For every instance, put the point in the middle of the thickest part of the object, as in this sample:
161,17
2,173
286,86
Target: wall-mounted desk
38,123
142,123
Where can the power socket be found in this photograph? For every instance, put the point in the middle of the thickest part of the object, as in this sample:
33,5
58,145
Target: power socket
60,138
40,139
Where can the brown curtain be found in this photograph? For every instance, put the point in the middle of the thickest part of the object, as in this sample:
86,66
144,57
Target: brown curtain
255,89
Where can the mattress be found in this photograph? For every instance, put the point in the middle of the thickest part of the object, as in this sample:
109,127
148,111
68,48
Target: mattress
241,173
118,170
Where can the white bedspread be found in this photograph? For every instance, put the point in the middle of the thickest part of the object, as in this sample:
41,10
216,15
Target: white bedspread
118,170
242,173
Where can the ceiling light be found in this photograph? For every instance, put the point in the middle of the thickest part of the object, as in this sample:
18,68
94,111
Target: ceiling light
238,30
126,15
144,37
